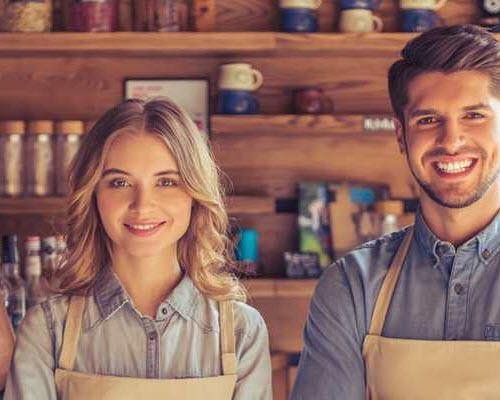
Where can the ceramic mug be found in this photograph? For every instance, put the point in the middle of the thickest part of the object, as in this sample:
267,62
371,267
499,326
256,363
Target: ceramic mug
359,20
353,4
490,8
298,20
309,4
419,20
311,101
421,4
237,102
239,76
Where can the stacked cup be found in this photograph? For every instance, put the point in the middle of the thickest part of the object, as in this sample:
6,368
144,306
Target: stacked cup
299,15
237,82
420,15
357,16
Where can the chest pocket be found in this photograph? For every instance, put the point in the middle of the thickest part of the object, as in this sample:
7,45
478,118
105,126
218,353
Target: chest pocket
492,332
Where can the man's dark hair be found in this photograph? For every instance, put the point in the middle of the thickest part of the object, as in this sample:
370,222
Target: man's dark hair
444,49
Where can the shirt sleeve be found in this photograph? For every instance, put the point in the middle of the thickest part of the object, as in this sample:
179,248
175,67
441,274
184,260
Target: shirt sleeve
32,370
331,364
254,360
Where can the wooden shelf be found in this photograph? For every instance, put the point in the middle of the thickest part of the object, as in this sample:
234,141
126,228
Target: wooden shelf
299,124
265,287
201,43
55,205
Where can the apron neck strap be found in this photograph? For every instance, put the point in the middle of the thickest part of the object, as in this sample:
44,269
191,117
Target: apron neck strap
72,330
227,339
388,286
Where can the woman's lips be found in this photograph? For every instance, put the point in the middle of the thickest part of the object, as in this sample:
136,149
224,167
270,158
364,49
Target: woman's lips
144,229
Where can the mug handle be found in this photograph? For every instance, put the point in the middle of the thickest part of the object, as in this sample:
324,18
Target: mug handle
258,79
377,23
439,4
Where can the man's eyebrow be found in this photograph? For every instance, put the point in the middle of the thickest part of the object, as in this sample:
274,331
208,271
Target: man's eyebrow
111,171
422,111
479,106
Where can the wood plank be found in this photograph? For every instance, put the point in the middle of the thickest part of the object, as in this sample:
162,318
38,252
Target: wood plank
56,205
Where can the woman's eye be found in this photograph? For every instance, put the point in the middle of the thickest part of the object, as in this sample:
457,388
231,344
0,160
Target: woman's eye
426,121
119,182
167,182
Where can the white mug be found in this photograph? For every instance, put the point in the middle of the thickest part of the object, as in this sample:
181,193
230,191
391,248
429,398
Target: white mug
239,76
422,4
359,20
312,4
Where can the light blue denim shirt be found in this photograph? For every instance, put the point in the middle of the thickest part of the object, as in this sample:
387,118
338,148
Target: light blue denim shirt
443,293
116,339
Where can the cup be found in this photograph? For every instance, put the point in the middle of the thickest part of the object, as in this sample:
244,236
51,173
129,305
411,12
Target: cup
421,4
298,20
303,4
311,101
237,102
359,20
239,76
419,20
489,8
360,4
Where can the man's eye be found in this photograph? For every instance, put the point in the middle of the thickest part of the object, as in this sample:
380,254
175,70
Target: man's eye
426,121
474,115
166,182
119,182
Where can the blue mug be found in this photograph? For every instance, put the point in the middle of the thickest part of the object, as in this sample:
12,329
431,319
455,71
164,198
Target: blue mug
299,20
419,20
247,248
237,102
366,4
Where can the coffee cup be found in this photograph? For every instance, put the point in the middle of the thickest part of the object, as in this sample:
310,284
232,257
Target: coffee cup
311,101
237,102
421,4
298,20
239,76
359,20
419,20
304,4
490,8
359,4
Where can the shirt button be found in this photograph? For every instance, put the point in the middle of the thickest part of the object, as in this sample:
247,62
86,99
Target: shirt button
458,288
164,311
152,336
486,253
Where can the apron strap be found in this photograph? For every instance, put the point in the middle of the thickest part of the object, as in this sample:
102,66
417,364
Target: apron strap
227,339
72,330
388,286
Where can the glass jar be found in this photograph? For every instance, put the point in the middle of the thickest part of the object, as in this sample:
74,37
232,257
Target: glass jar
26,16
11,157
39,158
68,134
167,15
93,15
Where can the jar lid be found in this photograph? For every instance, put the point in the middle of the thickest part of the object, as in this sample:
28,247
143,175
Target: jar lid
69,127
12,127
390,207
40,127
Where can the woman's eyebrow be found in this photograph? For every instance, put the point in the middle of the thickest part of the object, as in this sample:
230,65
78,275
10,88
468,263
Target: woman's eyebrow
111,171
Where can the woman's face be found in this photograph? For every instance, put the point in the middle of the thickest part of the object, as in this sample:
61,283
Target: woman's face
141,200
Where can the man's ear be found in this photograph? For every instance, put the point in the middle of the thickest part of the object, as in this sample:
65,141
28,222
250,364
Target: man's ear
400,135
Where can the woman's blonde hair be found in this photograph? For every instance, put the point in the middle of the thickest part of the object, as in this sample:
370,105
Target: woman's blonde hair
205,251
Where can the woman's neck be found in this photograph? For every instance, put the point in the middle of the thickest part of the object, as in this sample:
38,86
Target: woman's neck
147,280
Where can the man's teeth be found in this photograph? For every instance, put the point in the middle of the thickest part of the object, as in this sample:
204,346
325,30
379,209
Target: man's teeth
454,167
143,227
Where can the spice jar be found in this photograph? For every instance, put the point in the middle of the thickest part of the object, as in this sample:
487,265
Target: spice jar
11,157
167,15
39,158
93,15
26,16
68,134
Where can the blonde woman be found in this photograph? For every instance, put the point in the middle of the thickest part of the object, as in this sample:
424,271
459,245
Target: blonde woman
147,309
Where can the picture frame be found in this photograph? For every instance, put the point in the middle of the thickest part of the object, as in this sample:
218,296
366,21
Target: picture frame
192,94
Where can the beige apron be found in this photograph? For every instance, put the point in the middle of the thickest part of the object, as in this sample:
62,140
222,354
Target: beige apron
425,369
81,386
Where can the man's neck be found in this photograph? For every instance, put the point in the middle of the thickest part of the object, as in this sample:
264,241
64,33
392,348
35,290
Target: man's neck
457,225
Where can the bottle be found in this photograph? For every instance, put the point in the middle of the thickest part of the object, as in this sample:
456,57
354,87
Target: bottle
4,289
49,257
36,286
10,266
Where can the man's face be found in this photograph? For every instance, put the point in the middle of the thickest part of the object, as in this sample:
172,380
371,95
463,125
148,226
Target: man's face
451,136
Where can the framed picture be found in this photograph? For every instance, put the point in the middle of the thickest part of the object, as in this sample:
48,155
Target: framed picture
191,94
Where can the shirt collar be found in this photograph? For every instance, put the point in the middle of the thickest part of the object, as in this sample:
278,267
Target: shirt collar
110,295
486,242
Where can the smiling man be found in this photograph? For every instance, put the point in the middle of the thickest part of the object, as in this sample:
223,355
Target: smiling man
416,314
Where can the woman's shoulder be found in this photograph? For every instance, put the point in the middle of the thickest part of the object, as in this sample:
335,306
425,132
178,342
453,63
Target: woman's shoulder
247,319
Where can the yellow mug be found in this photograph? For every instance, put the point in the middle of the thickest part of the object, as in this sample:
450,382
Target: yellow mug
312,4
422,4
359,21
239,76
